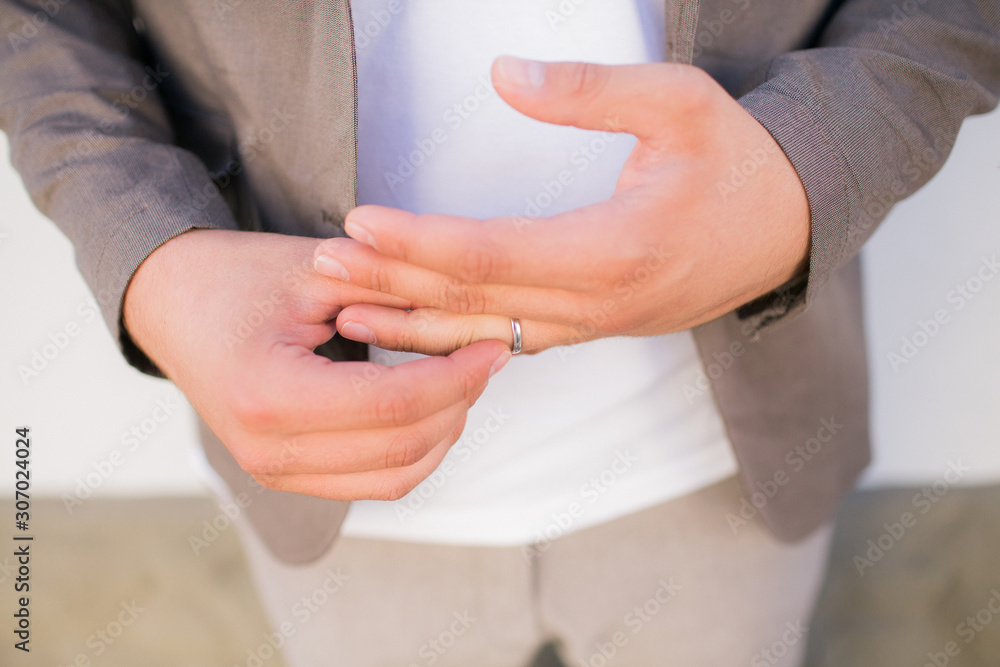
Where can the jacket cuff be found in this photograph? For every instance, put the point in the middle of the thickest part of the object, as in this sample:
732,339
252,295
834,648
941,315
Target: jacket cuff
198,205
821,171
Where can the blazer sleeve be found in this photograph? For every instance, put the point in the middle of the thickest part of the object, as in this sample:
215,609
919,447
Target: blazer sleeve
93,144
868,115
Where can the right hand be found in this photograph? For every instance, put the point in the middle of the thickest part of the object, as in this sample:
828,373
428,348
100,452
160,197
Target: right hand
294,420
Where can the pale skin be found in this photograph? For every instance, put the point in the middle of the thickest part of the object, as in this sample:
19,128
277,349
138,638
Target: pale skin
668,251
293,419
675,246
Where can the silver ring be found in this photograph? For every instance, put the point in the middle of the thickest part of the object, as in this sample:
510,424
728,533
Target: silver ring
515,326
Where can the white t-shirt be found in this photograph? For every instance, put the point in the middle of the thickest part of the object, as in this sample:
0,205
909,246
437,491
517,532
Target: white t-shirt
573,436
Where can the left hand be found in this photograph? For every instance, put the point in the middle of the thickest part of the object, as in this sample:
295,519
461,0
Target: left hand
708,214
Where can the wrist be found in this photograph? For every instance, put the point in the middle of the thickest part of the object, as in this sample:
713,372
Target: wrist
146,297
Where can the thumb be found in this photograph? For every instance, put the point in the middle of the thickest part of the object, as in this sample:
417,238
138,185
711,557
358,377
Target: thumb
646,100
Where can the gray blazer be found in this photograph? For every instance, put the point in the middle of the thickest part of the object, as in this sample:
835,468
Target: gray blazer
132,122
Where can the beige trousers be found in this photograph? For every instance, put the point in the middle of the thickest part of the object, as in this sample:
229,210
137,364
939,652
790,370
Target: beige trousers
671,585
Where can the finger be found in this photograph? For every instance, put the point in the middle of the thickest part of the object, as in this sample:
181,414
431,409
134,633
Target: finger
569,251
299,286
434,331
299,391
346,293
344,452
370,269
660,103
315,314
390,484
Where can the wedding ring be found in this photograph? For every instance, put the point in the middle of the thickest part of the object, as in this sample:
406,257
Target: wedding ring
515,327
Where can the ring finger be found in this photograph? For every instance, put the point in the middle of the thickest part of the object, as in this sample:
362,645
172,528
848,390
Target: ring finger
434,331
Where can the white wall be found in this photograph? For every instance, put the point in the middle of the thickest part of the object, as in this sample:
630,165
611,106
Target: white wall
945,402
939,406
83,403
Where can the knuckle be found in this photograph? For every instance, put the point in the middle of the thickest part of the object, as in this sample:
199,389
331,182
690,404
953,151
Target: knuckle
251,408
699,88
392,488
400,408
478,265
629,255
380,278
466,333
405,451
463,299
454,295
585,79
475,300
407,340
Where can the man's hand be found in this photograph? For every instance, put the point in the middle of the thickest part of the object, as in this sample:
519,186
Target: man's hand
708,214
233,319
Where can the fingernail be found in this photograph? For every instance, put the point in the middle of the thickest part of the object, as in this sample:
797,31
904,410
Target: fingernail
526,73
357,331
500,362
359,233
330,267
